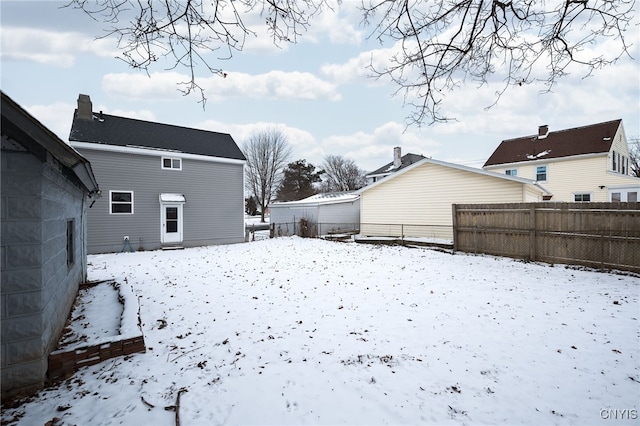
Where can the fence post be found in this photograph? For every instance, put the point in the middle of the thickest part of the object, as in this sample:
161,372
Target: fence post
454,221
602,249
532,232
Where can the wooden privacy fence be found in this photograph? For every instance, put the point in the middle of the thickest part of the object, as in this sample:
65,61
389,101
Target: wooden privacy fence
602,235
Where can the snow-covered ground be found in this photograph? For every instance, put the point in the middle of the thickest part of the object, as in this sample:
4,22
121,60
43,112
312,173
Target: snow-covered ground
301,331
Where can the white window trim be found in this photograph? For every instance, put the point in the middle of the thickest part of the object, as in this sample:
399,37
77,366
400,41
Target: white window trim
590,194
111,202
170,158
546,173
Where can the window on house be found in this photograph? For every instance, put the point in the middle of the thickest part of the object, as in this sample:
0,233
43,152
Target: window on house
511,172
70,248
632,197
121,202
614,164
624,165
582,197
615,197
171,163
541,173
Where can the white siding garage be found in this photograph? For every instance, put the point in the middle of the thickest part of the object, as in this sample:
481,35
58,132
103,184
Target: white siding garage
416,202
328,212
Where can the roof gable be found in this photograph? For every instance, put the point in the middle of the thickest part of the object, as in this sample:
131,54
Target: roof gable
33,136
457,167
119,131
592,139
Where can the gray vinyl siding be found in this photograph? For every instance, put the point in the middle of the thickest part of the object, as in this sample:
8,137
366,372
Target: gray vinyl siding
212,213
340,213
330,217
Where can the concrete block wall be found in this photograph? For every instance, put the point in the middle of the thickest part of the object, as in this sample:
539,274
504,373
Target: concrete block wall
38,288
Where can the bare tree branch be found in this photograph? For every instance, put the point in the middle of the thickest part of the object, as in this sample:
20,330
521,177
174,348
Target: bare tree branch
267,153
443,43
341,174
182,32
634,156
439,44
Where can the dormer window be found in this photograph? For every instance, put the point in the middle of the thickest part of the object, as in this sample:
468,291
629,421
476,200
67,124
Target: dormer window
171,163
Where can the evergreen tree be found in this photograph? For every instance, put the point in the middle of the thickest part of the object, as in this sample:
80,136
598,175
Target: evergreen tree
298,181
251,208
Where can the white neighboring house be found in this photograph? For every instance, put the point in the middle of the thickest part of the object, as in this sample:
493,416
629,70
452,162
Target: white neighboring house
333,212
417,200
589,163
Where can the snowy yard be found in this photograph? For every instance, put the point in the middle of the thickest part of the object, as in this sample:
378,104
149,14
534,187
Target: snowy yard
298,331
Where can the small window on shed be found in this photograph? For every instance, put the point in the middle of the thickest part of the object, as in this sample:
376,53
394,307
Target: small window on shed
70,248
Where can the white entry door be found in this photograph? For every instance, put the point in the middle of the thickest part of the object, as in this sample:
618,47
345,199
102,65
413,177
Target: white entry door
171,223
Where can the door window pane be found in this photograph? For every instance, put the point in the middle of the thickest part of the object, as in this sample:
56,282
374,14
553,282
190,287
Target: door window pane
171,219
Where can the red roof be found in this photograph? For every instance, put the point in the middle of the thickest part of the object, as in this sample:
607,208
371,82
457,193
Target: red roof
592,139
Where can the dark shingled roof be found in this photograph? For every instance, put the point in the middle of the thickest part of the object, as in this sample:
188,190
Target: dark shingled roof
592,139
406,160
112,130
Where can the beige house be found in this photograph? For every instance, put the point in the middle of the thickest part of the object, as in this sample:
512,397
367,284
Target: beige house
589,163
417,200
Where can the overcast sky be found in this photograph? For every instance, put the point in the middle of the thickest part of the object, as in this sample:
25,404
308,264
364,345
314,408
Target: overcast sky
318,90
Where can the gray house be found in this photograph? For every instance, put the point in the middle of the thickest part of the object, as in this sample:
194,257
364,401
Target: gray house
399,162
46,189
163,186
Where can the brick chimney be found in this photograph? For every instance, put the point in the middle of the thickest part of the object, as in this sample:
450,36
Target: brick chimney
85,108
543,131
397,157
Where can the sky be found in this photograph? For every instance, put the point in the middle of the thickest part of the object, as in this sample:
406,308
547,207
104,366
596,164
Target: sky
317,91
293,331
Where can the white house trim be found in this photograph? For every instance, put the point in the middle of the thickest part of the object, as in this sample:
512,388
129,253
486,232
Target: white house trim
155,152
459,167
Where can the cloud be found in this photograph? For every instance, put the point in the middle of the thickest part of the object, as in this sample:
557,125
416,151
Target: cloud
58,49
56,117
371,150
272,85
